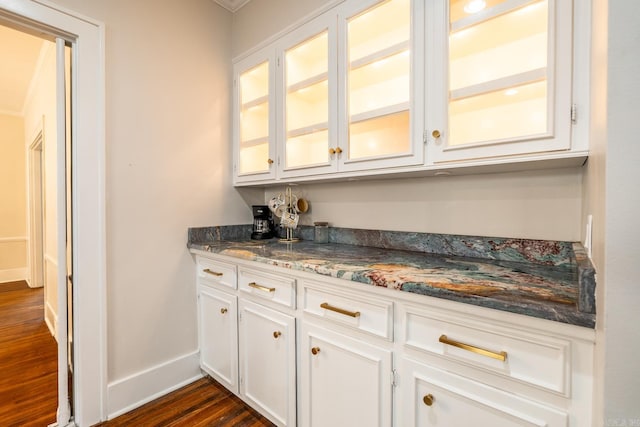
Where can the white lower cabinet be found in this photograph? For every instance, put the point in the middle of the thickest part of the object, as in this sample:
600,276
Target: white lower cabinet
344,381
433,397
218,336
267,353
312,351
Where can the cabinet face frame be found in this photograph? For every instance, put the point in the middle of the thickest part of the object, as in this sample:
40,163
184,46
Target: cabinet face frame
415,155
559,91
239,68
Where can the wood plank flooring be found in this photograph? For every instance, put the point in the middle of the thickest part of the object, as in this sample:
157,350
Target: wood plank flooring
199,404
28,359
28,378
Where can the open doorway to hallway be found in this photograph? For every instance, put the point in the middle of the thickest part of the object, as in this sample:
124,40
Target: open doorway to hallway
29,213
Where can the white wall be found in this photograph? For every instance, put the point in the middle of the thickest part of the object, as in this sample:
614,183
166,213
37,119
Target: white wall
40,115
168,78
537,205
13,203
614,198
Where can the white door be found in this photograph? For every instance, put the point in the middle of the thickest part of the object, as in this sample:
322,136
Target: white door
63,178
218,323
267,362
345,382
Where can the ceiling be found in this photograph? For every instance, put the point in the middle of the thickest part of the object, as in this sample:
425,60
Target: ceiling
232,5
19,53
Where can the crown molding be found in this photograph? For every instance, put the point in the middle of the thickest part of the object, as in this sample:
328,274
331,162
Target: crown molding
232,5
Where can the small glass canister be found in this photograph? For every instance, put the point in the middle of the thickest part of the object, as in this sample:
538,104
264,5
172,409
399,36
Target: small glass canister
321,232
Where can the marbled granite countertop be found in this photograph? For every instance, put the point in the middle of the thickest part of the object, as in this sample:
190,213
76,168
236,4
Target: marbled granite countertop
534,289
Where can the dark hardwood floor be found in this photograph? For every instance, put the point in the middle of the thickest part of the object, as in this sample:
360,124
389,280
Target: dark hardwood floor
202,403
28,359
28,378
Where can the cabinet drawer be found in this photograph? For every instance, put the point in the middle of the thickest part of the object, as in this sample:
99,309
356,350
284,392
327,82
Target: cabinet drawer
216,272
535,359
362,312
278,289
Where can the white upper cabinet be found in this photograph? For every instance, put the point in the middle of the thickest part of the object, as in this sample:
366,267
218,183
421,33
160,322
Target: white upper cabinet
360,89
254,118
380,71
502,84
307,82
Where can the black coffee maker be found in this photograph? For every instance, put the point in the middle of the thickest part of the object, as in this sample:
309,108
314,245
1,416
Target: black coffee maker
262,223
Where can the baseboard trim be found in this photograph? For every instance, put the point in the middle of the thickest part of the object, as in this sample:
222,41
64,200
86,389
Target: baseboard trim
51,320
136,390
13,275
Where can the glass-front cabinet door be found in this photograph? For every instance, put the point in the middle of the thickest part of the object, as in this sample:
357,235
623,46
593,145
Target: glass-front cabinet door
307,76
254,119
507,81
380,71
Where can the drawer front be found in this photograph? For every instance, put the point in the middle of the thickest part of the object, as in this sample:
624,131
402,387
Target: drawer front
270,287
361,312
535,359
217,273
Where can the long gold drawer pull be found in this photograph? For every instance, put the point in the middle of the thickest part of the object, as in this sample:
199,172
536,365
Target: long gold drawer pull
213,273
502,355
328,306
260,287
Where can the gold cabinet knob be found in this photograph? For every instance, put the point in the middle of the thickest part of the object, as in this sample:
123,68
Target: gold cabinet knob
428,399
315,350
338,150
435,134
223,310
276,334
270,161
332,151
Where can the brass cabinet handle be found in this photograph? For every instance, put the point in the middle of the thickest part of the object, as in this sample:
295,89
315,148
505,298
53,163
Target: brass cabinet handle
260,287
338,150
500,355
328,306
276,334
213,273
435,134
223,310
315,350
428,399
332,151
270,161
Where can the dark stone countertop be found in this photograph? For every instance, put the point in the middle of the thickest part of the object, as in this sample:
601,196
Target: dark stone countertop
547,290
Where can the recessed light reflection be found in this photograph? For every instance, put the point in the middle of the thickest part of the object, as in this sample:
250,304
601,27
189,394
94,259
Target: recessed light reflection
511,92
475,6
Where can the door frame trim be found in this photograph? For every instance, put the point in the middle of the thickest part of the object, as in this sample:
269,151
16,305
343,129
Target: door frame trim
88,199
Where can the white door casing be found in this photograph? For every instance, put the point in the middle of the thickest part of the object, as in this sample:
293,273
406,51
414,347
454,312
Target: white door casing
86,37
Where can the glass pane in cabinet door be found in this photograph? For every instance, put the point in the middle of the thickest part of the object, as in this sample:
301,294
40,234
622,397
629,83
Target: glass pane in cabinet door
254,120
307,102
498,70
382,136
379,72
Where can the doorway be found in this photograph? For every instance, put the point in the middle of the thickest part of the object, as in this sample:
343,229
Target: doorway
46,20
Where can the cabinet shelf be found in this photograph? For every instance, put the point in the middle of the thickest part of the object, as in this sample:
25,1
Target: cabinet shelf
317,127
255,102
379,112
488,13
499,84
379,55
254,142
308,82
